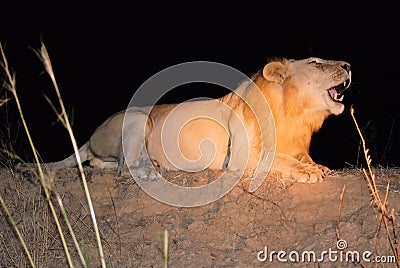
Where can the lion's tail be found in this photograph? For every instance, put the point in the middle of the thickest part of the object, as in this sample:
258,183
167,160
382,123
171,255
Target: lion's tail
67,162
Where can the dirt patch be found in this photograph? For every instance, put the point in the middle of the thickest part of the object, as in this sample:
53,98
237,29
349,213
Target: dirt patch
230,232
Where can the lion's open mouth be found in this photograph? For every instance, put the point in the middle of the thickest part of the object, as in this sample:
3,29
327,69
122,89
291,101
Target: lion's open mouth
336,92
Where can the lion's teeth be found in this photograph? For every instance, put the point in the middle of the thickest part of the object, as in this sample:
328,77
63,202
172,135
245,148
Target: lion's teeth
335,97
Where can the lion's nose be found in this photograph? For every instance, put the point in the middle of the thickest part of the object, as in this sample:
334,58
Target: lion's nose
345,66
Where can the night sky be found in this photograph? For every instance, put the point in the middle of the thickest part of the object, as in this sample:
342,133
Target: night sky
102,53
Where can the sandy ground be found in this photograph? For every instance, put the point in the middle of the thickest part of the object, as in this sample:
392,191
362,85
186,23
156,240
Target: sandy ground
241,229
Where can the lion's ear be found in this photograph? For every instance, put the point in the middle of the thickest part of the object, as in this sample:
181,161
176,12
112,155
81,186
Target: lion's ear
274,72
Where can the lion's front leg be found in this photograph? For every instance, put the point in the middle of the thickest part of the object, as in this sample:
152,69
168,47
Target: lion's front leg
292,168
243,156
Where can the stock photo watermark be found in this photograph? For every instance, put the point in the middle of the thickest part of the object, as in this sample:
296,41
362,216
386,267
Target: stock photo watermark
338,254
218,117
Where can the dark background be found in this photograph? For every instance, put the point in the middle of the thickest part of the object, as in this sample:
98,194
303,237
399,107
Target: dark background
102,52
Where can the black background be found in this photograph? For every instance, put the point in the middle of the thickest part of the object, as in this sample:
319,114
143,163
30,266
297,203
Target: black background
102,52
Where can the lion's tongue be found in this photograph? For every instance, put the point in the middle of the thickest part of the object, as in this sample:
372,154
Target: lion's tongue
333,93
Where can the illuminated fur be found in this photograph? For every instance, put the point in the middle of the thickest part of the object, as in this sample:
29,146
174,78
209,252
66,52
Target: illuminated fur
301,95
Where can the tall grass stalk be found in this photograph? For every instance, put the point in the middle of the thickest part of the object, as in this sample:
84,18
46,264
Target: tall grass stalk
44,57
385,215
10,84
166,249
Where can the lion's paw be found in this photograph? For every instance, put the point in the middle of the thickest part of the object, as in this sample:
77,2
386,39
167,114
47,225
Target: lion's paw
325,170
309,173
145,173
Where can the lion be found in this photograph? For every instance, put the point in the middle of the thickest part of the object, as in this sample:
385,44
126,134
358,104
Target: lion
300,94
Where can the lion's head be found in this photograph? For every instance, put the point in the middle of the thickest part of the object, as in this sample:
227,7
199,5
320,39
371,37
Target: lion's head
302,94
313,84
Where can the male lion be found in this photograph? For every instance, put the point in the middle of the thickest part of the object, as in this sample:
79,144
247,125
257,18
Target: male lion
301,94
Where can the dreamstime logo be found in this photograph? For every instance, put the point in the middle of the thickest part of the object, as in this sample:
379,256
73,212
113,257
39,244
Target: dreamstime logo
216,113
341,244
340,254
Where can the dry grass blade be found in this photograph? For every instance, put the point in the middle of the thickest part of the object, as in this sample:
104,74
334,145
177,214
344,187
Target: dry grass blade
44,57
20,237
340,212
381,205
117,232
165,248
10,84
4,101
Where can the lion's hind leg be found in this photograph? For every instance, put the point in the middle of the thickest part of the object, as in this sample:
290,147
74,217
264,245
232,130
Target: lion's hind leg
134,160
97,162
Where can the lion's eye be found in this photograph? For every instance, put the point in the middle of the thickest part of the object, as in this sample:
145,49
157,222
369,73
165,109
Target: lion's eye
314,62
